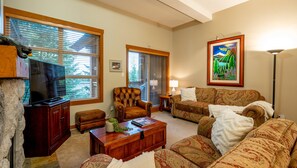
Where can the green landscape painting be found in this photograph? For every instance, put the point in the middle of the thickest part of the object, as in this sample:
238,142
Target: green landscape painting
224,61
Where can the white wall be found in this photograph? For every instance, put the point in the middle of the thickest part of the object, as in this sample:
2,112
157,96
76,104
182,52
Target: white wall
119,30
266,24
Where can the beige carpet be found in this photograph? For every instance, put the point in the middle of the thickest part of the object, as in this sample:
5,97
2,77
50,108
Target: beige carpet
42,162
177,129
76,149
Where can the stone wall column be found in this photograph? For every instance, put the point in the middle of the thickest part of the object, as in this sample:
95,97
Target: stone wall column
12,121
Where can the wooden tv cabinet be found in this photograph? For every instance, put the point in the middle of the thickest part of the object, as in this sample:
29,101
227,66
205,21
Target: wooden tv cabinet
47,127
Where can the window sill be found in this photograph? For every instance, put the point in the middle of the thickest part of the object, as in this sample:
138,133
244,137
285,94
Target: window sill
86,101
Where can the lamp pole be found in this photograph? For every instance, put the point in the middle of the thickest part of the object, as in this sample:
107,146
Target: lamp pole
274,52
273,85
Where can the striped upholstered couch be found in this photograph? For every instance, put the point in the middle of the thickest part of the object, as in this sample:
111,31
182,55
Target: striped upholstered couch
271,145
195,110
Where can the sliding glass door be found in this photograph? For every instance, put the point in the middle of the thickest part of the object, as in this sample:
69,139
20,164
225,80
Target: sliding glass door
138,72
149,72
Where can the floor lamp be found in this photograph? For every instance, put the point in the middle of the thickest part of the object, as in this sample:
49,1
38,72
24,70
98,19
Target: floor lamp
274,52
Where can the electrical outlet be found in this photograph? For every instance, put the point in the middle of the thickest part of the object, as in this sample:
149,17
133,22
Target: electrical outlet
281,116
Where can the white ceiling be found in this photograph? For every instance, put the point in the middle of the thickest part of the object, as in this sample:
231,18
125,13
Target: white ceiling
172,13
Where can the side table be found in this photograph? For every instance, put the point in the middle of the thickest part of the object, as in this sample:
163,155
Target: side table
165,103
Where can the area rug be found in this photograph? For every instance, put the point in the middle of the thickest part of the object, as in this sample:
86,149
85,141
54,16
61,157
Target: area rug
42,162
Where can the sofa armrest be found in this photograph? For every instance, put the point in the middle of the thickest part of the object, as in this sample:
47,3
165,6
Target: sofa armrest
255,112
119,111
98,161
175,98
145,105
205,126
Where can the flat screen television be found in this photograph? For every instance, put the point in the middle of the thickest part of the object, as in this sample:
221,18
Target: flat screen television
47,81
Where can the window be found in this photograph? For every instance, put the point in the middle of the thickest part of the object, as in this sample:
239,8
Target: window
77,47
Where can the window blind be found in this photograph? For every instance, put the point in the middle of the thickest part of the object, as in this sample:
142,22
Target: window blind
78,51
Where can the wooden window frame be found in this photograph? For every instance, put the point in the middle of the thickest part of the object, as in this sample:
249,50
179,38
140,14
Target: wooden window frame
24,15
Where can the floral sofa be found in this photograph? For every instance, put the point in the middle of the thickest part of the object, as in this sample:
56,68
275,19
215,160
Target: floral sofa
273,144
195,110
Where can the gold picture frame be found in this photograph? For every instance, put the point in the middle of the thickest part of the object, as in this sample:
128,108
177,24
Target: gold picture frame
225,61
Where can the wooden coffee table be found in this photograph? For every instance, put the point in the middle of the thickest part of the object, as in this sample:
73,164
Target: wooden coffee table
131,143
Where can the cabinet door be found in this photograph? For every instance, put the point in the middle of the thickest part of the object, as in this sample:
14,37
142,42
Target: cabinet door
55,124
65,118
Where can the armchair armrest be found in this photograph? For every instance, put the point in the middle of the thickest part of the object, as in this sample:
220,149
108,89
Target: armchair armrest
205,126
256,112
119,111
145,105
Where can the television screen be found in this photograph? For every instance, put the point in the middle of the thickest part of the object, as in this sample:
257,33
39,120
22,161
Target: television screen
47,81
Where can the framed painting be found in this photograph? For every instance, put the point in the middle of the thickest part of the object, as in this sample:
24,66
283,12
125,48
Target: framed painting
225,60
115,65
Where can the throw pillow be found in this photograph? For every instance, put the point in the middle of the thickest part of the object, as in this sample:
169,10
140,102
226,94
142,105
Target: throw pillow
188,94
229,129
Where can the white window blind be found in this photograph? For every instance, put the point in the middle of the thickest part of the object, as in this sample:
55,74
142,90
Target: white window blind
78,51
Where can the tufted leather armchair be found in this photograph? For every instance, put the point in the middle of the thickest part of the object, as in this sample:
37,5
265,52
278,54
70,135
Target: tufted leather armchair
128,104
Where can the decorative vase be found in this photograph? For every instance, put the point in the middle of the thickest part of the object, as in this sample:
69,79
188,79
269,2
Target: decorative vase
109,126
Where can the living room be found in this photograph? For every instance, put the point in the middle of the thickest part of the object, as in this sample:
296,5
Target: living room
265,24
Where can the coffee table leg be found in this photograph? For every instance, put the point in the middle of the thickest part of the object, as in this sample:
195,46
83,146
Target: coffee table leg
92,150
163,147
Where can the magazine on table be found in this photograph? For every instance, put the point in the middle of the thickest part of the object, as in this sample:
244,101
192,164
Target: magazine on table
140,122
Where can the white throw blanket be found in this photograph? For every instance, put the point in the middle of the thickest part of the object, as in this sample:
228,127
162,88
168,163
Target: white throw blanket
267,107
145,160
214,110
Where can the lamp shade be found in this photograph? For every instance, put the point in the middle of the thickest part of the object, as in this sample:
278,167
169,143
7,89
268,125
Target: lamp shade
154,82
275,51
173,83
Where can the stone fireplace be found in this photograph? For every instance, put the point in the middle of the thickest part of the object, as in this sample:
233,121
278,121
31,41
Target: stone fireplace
12,122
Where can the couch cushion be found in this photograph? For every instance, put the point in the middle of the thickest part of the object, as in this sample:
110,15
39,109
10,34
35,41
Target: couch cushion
198,149
229,129
165,158
206,95
135,112
279,130
236,97
193,107
256,153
